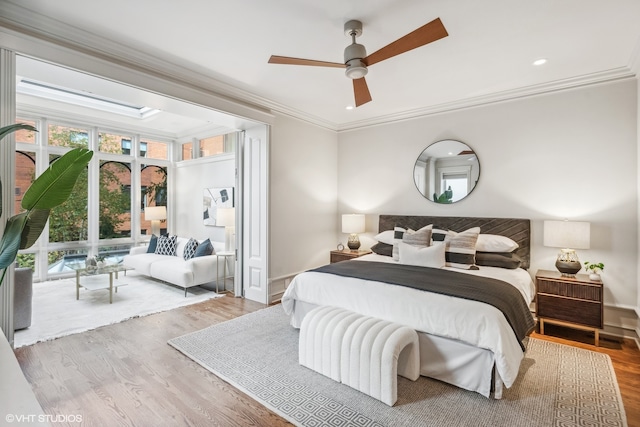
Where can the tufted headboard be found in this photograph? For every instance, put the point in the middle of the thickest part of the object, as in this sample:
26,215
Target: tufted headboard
517,229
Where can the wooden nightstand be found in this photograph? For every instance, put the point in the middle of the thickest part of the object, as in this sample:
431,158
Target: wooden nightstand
575,302
337,256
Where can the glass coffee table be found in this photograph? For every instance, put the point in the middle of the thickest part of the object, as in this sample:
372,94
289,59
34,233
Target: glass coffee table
95,278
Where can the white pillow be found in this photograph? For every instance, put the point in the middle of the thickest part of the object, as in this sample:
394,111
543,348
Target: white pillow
385,237
495,243
425,256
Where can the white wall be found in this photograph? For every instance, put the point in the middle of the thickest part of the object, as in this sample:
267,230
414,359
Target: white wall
570,155
302,198
192,177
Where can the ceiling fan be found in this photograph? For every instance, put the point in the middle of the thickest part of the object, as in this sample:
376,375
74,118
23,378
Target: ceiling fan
356,60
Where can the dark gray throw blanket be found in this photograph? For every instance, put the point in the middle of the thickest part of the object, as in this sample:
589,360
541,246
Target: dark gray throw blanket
497,293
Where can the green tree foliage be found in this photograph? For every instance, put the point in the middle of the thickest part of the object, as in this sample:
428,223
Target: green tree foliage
51,189
69,223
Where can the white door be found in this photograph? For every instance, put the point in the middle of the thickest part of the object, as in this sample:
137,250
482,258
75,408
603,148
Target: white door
255,210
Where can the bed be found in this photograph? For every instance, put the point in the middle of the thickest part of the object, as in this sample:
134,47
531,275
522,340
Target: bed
470,344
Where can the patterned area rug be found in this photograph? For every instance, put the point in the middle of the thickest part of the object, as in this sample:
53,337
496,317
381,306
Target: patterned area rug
57,313
558,385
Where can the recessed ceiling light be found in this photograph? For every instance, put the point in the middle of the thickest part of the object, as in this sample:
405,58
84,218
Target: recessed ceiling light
349,107
540,61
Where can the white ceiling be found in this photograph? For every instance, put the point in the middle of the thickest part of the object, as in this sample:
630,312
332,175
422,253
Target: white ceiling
488,53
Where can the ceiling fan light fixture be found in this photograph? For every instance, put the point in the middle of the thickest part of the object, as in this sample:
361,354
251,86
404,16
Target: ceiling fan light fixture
356,69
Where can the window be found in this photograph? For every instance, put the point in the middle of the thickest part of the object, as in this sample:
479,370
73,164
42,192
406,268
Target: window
155,150
26,136
215,145
154,184
68,223
63,136
126,147
115,200
187,151
110,143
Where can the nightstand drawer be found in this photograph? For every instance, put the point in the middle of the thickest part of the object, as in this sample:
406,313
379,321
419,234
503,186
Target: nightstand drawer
578,311
571,290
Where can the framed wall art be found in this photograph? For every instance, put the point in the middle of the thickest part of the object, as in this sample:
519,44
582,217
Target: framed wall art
213,199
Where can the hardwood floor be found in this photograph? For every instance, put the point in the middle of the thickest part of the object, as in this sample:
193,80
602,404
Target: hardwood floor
127,375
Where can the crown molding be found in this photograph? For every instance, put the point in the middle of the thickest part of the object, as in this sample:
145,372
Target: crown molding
608,76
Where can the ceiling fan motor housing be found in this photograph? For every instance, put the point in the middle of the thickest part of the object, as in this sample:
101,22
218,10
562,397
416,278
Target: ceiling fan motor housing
354,53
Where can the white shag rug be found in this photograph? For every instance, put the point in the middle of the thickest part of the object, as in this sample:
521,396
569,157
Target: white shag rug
56,312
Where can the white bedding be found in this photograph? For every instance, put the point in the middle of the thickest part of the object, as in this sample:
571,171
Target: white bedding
473,322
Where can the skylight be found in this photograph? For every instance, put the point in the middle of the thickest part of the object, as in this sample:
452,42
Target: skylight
82,98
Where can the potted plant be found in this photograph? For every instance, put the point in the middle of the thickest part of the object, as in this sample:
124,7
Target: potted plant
594,269
52,188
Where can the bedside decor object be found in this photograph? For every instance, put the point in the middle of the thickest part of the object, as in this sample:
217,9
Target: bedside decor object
340,247
594,270
353,224
155,214
569,236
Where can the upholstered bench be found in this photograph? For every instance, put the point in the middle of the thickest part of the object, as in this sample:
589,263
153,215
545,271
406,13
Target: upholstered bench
362,352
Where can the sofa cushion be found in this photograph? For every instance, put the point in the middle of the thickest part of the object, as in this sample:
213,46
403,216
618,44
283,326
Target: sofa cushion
142,262
190,249
204,248
166,245
173,270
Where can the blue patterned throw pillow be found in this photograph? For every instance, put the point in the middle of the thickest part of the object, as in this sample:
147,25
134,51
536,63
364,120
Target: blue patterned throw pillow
190,249
166,245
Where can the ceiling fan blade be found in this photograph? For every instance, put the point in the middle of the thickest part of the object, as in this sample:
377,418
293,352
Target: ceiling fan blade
361,91
426,34
299,61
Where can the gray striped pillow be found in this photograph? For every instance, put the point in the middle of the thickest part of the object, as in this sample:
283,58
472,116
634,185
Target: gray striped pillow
461,249
421,238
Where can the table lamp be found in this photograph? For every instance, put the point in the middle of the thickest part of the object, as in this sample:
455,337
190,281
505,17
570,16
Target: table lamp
569,236
155,214
226,217
353,224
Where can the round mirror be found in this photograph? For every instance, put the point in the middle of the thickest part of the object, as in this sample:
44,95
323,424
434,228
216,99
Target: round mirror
446,171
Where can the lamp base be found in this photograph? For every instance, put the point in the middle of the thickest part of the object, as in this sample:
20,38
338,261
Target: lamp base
568,268
568,263
354,242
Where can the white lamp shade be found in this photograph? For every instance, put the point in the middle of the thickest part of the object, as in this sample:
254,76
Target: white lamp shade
353,223
567,234
155,213
226,217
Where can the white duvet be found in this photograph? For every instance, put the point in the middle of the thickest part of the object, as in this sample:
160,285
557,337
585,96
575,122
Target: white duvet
473,322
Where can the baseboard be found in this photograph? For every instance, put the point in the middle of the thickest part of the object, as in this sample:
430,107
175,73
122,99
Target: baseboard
278,285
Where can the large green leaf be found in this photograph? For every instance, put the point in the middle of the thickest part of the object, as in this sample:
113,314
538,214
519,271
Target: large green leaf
54,186
33,227
10,242
6,130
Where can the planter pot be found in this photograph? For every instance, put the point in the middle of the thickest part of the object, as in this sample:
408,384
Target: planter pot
595,277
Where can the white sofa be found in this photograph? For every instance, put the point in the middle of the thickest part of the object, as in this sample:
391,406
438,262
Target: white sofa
175,269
